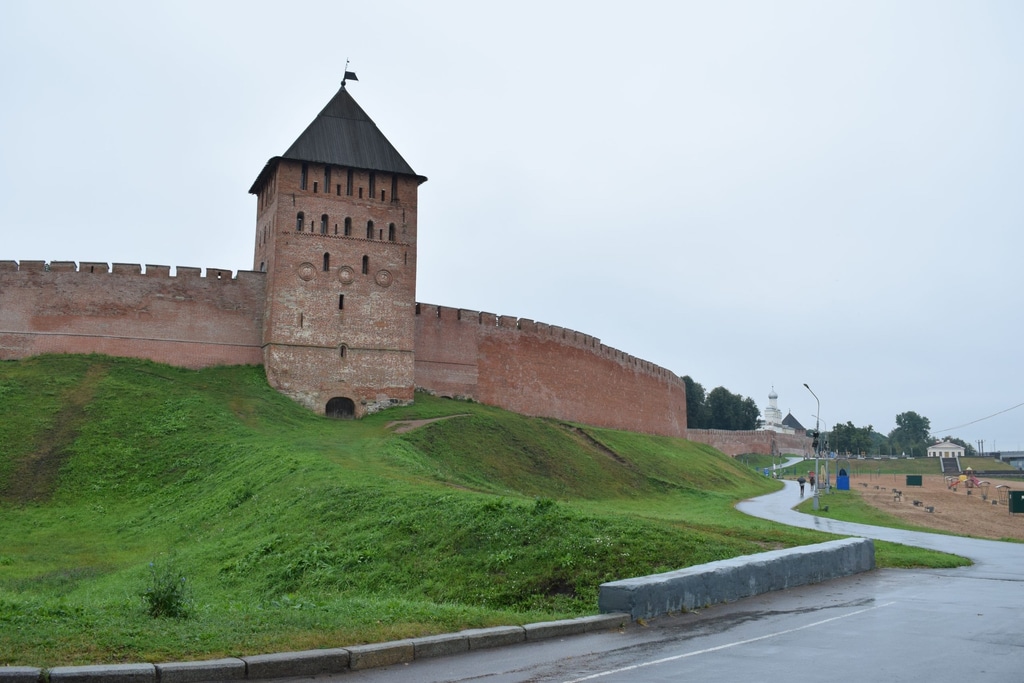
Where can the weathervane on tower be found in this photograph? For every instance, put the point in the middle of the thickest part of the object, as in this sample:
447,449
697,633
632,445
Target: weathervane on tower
349,75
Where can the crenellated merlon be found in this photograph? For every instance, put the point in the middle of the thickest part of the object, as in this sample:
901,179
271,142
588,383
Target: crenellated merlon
448,315
149,270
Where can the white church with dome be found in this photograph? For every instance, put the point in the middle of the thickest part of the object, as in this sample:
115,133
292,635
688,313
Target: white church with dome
773,420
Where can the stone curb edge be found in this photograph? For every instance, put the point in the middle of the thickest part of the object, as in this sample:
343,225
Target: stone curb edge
314,662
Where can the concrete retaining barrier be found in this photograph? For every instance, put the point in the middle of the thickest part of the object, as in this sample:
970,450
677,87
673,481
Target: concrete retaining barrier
739,577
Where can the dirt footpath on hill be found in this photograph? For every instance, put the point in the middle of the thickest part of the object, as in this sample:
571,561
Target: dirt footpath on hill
403,426
955,511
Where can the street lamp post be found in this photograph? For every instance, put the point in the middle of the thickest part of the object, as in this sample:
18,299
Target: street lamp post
817,451
824,444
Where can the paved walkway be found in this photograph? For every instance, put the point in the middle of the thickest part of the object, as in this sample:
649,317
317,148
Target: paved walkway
993,559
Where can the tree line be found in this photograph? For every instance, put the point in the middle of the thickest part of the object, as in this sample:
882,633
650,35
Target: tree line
722,409
719,408
912,436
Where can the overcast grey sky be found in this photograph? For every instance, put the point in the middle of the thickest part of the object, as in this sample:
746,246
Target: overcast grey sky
754,194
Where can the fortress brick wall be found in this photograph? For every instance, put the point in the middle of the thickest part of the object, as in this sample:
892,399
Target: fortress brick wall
186,320
194,321
543,370
740,442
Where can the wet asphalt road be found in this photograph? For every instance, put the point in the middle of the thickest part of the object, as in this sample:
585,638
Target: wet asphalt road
912,626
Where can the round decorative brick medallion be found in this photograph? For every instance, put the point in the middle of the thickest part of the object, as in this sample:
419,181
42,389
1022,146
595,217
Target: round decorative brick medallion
346,275
383,278
306,271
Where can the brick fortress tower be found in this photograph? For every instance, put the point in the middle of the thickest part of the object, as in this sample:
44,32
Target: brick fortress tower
336,237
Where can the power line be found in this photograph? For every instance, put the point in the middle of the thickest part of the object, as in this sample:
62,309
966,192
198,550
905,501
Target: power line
980,419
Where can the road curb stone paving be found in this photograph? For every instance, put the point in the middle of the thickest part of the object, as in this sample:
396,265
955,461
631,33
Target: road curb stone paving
312,662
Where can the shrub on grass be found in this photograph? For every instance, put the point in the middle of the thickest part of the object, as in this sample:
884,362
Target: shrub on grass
167,594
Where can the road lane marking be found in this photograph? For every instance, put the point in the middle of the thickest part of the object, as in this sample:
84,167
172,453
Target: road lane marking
673,658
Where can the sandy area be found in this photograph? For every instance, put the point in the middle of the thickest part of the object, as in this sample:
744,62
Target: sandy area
962,511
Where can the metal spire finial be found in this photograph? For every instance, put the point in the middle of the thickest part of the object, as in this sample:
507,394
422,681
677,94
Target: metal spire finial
349,75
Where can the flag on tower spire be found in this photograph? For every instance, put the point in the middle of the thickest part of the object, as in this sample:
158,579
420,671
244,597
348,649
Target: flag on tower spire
349,75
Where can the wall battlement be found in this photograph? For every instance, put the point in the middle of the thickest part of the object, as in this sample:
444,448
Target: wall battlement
150,270
455,316
189,319
545,370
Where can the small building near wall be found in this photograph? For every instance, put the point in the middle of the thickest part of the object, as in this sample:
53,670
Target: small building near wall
773,421
946,449
792,423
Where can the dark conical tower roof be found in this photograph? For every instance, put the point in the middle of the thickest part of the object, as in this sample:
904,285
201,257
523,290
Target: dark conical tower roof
792,422
343,135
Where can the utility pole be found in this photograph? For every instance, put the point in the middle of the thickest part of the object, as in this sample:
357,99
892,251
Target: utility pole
817,445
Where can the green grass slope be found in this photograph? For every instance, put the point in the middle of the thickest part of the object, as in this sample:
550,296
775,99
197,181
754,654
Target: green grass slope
271,528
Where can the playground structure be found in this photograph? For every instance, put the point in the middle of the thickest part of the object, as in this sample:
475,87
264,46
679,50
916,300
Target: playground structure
975,512
968,481
1003,491
837,473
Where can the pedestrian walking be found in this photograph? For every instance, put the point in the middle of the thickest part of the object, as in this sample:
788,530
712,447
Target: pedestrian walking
801,481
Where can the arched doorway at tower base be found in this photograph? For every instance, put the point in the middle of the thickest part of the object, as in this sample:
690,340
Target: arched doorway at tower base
341,408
